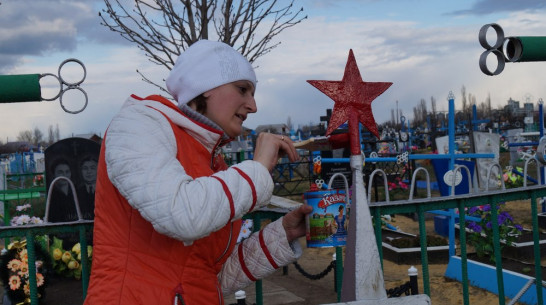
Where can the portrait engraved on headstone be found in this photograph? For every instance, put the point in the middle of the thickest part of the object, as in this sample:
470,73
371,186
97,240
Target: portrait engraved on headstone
76,159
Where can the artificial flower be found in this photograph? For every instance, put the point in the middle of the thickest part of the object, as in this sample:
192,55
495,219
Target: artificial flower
57,254
14,265
68,262
14,282
23,270
39,279
17,269
76,248
73,264
481,235
24,256
23,207
26,288
66,257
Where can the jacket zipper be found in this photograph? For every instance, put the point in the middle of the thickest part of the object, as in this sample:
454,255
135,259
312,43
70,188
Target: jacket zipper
178,298
219,291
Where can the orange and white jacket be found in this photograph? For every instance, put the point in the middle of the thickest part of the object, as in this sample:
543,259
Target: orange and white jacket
168,210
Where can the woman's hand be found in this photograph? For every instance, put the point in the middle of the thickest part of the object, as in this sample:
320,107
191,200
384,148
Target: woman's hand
294,222
270,147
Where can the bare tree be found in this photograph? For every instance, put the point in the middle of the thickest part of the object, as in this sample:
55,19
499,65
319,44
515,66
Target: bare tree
420,113
488,104
416,115
50,135
25,136
57,133
53,134
34,136
38,136
433,106
393,120
289,123
163,29
463,95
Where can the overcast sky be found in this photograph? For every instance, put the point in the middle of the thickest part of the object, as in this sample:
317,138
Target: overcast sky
427,48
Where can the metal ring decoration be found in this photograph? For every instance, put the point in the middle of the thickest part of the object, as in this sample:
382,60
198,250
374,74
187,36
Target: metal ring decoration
540,150
84,105
60,87
78,62
483,36
495,49
69,86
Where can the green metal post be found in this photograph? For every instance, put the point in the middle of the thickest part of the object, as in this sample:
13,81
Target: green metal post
339,272
526,48
20,88
258,285
31,252
7,218
378,237
84,261
424,255
536,248
464,262
496,247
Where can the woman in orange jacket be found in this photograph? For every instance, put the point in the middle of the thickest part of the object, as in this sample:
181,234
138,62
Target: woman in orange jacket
168,209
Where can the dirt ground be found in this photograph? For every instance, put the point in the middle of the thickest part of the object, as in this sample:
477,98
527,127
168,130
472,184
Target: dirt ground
315,260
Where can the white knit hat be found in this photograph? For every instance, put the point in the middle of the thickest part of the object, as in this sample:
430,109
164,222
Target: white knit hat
206,65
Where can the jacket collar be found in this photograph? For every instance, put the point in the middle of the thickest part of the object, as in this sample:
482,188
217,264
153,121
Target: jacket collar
197,125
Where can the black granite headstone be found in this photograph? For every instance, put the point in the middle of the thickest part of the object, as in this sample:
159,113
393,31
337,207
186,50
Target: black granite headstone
76,159
331,168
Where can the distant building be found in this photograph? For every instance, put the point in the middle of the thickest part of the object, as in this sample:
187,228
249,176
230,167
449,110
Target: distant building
238,150
89,136
528,108
17,147
514,108
273,128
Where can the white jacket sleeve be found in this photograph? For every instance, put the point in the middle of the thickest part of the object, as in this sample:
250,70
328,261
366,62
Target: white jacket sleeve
261,254
140,152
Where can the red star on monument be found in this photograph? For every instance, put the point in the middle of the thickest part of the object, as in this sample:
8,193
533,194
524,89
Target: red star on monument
351,96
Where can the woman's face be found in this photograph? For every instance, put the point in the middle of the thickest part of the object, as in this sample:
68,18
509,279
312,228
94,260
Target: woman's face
64,171
229,105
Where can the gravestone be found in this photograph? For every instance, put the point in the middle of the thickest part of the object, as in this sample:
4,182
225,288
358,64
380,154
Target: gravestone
331,168
75,159
487,143
513,136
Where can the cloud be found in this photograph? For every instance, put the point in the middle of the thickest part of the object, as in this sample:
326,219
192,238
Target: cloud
484,7
44,27
422,60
